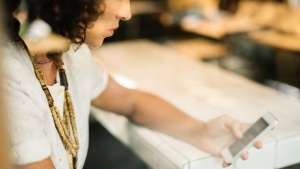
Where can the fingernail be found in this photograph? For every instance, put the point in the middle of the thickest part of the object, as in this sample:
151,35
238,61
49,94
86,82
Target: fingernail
240,134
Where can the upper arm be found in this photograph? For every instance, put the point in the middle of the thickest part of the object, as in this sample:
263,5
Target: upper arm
44,164
116,98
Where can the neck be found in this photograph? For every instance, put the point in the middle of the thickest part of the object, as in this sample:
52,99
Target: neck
48,68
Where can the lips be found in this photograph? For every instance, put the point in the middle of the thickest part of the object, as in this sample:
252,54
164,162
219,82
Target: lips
112,31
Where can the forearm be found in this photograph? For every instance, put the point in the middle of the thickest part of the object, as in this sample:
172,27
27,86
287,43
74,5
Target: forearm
153,112
150,111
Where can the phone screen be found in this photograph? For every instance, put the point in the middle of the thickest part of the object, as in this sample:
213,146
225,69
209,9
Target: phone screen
249,135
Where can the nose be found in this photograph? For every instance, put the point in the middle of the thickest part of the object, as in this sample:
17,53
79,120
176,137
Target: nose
125,11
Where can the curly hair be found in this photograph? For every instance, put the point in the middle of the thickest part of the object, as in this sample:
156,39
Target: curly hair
12,25
68,18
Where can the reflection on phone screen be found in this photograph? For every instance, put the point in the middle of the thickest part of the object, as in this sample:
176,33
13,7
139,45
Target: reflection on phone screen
249,135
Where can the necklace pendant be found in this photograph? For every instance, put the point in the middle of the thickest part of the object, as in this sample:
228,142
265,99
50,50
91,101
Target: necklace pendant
75,162
70,158
63,78
72,161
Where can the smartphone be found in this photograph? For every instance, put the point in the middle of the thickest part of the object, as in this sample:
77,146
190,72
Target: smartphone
258,129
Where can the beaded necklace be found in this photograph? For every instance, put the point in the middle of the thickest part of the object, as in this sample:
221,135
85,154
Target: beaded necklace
62,124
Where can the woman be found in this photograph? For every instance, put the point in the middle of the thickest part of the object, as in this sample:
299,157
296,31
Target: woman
49,94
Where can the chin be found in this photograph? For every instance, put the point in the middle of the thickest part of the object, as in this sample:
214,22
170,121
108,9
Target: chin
95,44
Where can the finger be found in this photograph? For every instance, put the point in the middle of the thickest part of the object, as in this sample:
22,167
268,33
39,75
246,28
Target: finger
246,126
244,156
224,164
240,128
258,144
236,128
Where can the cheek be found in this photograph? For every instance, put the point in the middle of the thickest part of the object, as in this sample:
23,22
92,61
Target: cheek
94,36
93,32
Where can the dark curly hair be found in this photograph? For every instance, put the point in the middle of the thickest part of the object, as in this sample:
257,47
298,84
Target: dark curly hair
68,18
12,25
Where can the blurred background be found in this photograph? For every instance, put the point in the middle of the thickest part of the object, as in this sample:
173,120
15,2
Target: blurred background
4,158
258,39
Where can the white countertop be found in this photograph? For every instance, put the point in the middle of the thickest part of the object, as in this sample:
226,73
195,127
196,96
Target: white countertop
204,91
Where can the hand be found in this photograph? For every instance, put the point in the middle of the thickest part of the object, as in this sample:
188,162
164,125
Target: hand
220,132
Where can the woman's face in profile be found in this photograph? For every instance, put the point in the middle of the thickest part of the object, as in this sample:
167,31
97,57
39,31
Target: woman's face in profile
108,22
